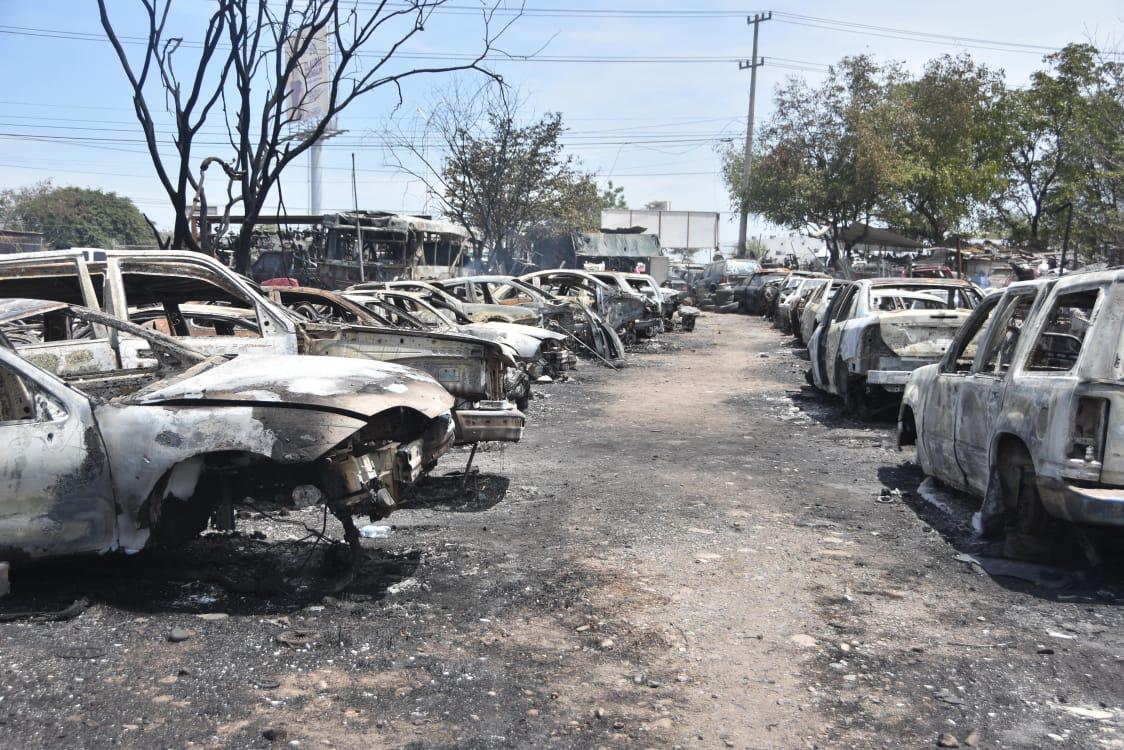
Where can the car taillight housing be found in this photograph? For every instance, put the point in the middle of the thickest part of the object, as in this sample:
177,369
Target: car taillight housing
1090,420
722,279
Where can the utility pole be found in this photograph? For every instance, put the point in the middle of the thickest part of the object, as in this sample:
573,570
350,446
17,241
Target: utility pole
753,64
358,228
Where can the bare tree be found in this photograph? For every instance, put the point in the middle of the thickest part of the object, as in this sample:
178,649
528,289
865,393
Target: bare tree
499,171
251,72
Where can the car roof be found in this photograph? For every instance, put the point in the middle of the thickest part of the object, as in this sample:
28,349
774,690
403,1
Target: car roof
474,279
893,281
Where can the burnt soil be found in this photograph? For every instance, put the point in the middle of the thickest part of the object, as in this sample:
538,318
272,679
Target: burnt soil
694,551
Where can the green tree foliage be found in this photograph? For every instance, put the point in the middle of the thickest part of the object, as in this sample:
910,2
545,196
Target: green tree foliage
951,141
1047,137
825,159
506,177
74,217
948,152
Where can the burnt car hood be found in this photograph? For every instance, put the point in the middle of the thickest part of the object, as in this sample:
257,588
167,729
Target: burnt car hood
354,386
525,340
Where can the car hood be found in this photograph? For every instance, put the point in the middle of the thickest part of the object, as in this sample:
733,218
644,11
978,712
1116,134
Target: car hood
524,339
354,386
508,312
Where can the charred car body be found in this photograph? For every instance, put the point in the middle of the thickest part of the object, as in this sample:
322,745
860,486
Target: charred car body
818,300
619,309
750,292
105,456
877,331
791,305
478,312
557,313
1026,410
154,286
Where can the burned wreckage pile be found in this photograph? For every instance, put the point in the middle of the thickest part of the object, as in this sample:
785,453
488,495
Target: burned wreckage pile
145,395
1015,397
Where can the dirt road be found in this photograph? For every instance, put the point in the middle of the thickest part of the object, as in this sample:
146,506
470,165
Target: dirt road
696,551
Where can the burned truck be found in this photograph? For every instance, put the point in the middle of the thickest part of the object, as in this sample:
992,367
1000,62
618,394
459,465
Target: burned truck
1024,410
340,249
118,438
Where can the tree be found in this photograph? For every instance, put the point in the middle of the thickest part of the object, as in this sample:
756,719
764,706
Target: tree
1046,157
580,202
74,217
825,158
1099,222
951,146
253,70
503,175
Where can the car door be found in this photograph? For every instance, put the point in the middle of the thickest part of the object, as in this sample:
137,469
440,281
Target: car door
56,494
134,282
832,337
942,399
980,393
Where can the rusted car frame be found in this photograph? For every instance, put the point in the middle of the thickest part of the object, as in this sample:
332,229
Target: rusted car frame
620,309
475,311
538,350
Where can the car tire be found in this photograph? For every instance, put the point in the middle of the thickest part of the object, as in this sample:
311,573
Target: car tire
1026,537
851,390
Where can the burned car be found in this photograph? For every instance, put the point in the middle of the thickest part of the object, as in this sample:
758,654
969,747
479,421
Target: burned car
818,300
877,331
651,322
479,312
1025,409
665,302
558,314
750,291
509,291
541,353
229,316
620,309
102,456
717,283
791,304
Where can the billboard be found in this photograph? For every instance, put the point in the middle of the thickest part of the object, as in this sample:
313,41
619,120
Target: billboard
680,230
310,84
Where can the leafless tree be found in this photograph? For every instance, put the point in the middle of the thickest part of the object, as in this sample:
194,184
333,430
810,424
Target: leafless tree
497,170
251,72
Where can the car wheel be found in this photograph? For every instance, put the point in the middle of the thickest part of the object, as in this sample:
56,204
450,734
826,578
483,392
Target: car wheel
1028,520
853,391
1030,514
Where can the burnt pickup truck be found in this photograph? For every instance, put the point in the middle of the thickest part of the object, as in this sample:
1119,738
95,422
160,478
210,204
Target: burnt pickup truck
141,284
1025,409
118,438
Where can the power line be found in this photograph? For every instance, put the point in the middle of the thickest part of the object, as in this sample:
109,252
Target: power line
959,39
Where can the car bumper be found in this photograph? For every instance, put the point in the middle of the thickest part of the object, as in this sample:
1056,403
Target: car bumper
1095,506
890,380
489,420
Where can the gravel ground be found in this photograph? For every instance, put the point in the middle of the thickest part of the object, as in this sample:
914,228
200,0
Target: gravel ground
695,551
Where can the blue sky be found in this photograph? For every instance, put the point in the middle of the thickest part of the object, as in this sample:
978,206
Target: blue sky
650,127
